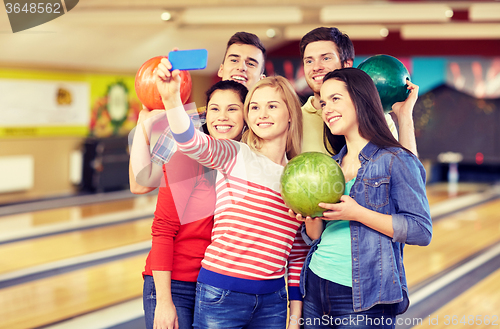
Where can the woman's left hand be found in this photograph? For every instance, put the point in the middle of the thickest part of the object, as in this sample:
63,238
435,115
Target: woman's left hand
346,209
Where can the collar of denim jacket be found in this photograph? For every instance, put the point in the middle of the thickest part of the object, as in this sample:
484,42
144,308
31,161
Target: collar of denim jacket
368,151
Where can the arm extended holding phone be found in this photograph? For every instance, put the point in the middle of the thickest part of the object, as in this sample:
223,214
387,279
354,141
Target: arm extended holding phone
140,155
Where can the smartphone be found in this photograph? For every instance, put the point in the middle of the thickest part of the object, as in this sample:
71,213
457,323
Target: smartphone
194,59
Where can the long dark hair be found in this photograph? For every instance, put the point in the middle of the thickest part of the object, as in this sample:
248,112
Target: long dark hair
369,112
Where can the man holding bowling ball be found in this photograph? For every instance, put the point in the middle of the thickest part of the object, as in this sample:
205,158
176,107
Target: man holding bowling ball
325,49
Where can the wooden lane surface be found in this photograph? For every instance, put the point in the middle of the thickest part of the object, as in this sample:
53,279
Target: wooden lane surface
60,297
455,238
478,307
75,213
32,252
63,296
23,254
435,193
439,192
44,218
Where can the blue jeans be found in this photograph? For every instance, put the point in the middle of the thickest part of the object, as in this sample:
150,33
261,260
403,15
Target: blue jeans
329,305
183,296
218,308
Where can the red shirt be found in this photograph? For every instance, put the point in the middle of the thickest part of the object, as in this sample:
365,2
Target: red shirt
183,219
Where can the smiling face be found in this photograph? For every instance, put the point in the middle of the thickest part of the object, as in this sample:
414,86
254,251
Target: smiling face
320,57
225,115
242,63
268,115
338,110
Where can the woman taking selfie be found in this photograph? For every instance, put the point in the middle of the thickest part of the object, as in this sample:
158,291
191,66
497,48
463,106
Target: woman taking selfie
254,241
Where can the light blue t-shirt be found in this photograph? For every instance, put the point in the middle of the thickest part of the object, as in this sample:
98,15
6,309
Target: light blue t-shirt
332,260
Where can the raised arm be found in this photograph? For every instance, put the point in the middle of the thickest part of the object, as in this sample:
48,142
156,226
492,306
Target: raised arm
168,84
210,152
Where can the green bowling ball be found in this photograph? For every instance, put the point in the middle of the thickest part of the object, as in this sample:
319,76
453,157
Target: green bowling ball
389,76
311,178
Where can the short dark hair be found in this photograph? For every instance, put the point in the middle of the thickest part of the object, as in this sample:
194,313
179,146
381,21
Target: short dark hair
246,38
345,47
369,112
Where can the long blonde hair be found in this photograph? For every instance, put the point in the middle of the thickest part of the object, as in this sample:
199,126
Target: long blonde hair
294,136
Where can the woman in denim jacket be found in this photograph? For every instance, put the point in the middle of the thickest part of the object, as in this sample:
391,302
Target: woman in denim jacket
354,275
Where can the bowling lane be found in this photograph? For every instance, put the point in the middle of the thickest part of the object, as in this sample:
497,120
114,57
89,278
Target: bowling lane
60,297
477,307
438,192
455,238
64,218
435,193
94,294
32,252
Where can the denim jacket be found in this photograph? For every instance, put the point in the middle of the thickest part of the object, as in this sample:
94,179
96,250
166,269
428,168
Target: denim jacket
390,181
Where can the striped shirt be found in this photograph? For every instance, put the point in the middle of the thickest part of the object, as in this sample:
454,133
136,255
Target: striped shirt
254,241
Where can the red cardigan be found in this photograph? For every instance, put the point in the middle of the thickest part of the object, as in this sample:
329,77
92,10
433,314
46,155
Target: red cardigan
183,220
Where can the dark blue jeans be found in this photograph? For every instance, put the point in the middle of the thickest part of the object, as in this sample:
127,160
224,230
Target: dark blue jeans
183,296
218,308
329,305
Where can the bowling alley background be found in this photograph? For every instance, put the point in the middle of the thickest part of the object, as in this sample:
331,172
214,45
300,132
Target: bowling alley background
459,97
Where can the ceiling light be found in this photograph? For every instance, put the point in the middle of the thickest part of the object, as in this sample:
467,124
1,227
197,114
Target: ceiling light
451,31
384,13
116,17
271,33
166,16
242,15
355,32
484,12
